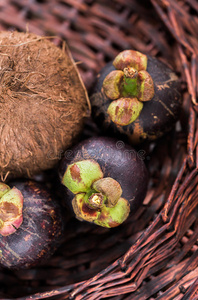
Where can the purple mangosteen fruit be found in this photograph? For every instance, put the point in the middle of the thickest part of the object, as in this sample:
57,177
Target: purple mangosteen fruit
136,96
31,224
103,180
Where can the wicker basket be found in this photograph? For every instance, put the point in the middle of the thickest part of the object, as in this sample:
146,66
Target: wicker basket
155,255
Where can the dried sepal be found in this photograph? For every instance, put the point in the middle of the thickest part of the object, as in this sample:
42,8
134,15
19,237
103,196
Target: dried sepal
146,86
82,210
125,110
110,188
130,58
112,83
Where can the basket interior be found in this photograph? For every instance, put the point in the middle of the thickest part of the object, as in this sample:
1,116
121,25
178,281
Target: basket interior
153,255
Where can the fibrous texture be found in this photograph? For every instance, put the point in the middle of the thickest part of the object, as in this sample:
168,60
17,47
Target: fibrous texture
42,103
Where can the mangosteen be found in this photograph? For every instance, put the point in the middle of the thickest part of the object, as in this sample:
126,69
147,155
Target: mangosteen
31,224
137,96
103,180
43,103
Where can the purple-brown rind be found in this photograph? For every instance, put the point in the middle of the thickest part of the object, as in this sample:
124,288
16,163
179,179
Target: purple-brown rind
117,160
40,232
158,115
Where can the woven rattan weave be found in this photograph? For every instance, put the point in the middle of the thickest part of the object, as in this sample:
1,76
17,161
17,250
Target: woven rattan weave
155,254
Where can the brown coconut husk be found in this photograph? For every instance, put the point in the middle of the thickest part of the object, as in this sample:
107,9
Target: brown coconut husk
43,103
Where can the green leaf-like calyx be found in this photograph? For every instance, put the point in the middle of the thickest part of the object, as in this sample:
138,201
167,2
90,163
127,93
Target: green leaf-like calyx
130,80
11,209
96,199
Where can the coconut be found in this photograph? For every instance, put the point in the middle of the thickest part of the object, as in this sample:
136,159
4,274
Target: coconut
43,103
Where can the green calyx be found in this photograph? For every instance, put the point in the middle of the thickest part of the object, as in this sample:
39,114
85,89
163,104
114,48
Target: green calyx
11,206
113,217
129,86
103,216
130,80
79,176
4,188
125,110
97,199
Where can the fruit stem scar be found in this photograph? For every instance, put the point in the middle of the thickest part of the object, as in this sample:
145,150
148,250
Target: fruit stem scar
130,72
95,201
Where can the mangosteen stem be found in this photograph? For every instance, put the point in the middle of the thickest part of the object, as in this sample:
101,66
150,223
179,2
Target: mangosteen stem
95,201
11,205
104,216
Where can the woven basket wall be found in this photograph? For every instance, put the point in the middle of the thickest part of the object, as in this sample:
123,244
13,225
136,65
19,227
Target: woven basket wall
155,254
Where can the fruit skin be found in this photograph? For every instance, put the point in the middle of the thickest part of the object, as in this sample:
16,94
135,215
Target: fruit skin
117,160
158,115
40,232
